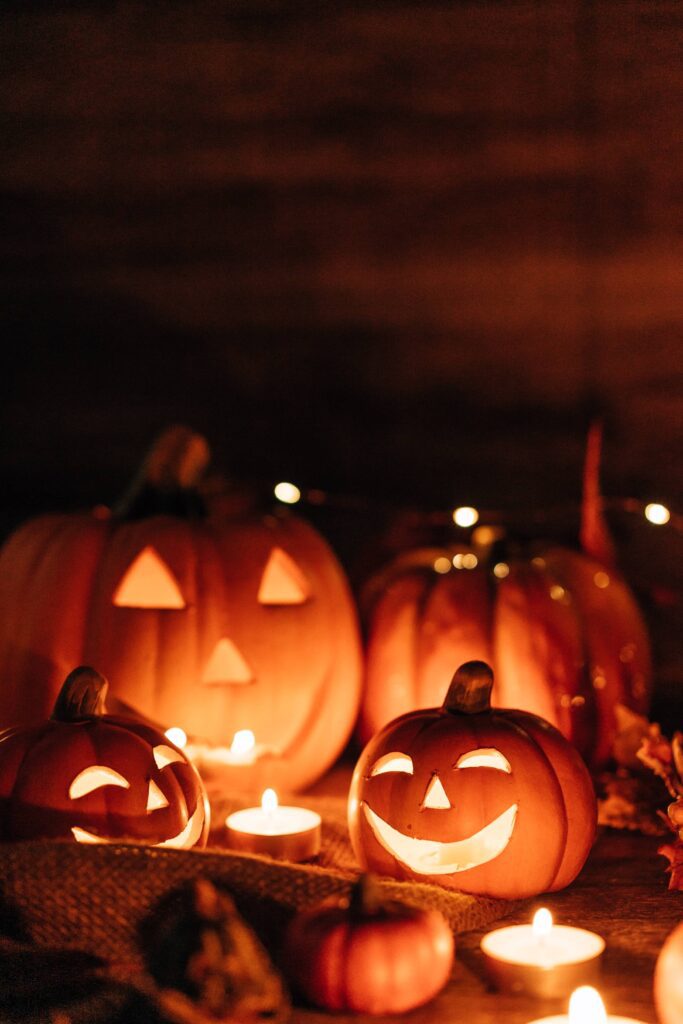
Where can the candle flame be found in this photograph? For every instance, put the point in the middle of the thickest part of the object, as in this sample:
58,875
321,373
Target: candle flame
243,742
542,923
586,1006
176,735
269,801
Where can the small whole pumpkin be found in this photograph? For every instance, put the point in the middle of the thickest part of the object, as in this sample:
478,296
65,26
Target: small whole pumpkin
368,955
668,979
480,799
98,778
210,622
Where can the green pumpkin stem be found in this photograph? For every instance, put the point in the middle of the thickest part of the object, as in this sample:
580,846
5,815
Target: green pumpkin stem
365,898
83,695
168,481
470,689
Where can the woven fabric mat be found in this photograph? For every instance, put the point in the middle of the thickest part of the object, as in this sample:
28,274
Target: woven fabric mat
93,897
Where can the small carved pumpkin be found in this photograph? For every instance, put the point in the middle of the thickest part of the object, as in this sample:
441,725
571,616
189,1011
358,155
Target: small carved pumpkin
367,955
210,623
482,800
668,982
98,778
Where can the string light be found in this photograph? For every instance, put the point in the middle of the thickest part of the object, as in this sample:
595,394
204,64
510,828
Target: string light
657,514
176,735
465,516
288,494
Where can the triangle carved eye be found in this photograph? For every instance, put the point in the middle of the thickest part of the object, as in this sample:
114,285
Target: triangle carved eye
283,581
148,583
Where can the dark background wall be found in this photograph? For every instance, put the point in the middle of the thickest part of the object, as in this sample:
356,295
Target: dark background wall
400,250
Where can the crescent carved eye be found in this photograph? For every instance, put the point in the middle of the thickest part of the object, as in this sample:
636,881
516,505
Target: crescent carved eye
164,755
393,762
94,777
484,757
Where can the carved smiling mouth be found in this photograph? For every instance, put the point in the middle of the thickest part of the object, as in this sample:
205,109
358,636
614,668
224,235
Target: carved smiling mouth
429,857
183,840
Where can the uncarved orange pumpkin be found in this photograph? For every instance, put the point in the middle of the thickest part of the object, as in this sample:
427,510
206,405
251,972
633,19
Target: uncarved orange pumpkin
199,621
483,800
98,778
366,954
668,979
562,631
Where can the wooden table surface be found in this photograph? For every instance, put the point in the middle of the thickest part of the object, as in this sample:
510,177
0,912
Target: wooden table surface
621,894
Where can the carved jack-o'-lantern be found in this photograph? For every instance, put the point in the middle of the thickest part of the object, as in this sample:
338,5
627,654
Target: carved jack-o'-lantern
483,800
98,778
212,624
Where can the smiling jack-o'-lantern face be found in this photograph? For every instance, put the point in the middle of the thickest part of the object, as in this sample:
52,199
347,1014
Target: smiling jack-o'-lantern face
492,802
98,778
209,624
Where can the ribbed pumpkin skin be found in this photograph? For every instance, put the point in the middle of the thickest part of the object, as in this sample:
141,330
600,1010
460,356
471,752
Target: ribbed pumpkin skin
556,817
386,963
58,576
561,646
37,765
668,979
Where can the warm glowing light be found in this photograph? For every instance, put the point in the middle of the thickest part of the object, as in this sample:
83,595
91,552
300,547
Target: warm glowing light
243,742
586,1006
501,570
484,757
227,666
457,560
287,493
657,514
176,735
393,762
164,756
269,801
442,564
542,923
470,560
601,580
94,777
283,581
155,798
557,592
465,516
148,583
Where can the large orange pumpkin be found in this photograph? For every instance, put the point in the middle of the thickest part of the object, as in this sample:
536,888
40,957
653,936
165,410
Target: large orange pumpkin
561,630
203,622
487,801
98,778
560,627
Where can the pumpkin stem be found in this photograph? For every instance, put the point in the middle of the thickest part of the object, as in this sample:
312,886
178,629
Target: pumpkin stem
594,534
168,481
83,695
365,898
470,689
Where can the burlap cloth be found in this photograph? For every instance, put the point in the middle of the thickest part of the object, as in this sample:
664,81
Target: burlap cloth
92,898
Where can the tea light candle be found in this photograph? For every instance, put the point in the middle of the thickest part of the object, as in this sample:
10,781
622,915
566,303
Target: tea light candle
586,1007
286,833
542,958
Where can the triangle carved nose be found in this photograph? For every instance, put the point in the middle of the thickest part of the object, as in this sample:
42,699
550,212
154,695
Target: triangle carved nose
436,797
227,666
